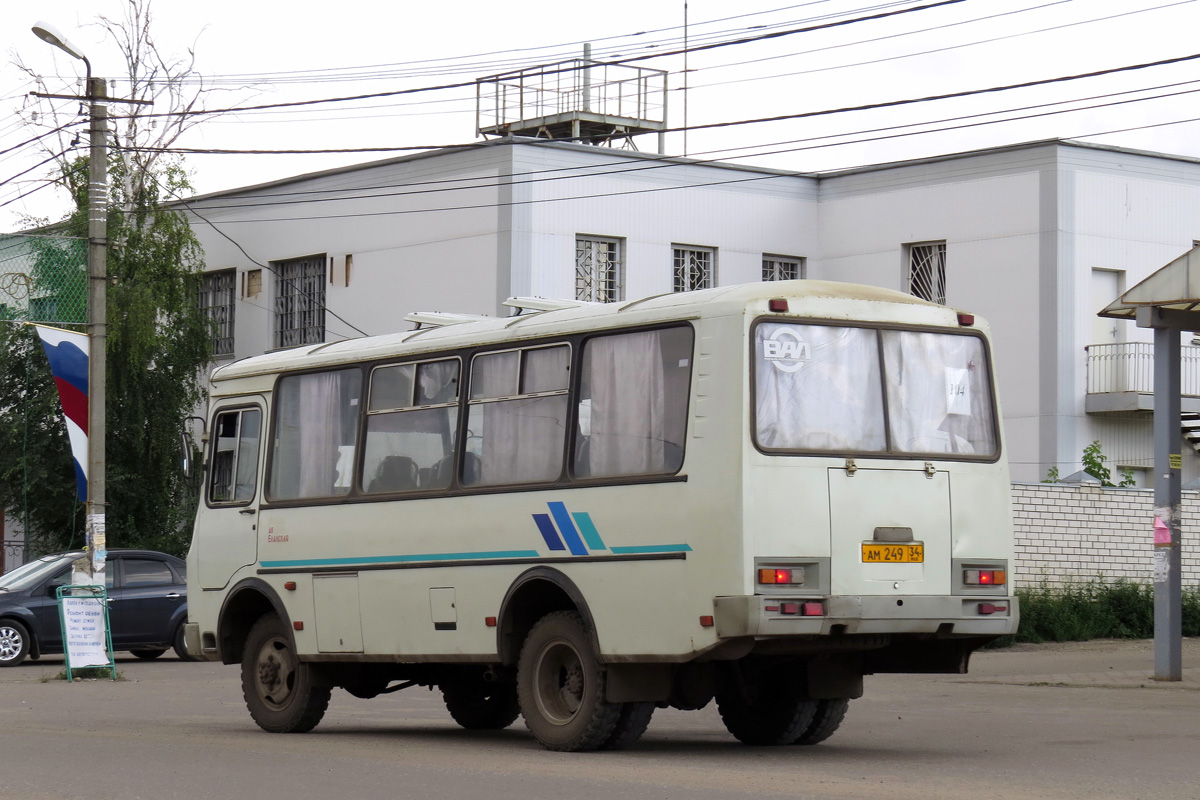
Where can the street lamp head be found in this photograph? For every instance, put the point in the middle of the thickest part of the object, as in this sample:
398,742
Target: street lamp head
48,33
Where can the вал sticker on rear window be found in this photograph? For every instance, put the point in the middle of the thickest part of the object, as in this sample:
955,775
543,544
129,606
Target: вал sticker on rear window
785,350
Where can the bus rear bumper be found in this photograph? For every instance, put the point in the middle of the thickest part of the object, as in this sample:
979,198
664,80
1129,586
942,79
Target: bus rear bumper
761,616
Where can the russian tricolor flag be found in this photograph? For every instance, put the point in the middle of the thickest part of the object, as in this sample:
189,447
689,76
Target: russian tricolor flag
68,354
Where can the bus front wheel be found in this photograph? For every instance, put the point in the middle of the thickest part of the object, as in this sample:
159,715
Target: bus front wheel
560,686
277,686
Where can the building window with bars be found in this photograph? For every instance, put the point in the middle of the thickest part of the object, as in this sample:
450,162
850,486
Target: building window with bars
299,301
599,269
217,295
695,268
927,271
783,268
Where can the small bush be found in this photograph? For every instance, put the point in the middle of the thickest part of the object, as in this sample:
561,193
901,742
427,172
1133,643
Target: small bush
1097,610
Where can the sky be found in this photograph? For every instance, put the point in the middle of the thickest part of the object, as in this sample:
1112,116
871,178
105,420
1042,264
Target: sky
251,53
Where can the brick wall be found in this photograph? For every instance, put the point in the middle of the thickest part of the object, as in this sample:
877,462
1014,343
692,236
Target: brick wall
1079,533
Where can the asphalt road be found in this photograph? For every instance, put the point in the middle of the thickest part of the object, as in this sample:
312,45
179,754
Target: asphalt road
1061,721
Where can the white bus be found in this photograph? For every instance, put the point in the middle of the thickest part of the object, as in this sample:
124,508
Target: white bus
756,494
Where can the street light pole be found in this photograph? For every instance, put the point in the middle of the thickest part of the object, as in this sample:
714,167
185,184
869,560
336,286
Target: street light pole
97,324
97,317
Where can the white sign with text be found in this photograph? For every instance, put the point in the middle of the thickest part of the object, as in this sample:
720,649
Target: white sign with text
84,632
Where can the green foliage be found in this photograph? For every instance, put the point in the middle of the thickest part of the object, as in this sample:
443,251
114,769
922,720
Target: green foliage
158,342
1093,464
1052,475
1128,479
1097,610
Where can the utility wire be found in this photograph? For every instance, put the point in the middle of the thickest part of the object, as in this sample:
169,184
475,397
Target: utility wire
186,204
573,68
705,126
515,179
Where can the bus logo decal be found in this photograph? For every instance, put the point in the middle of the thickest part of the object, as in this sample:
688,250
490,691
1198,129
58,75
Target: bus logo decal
786,351
570,534
575,532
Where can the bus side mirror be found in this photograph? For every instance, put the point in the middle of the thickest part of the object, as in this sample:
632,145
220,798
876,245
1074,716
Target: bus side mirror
187,444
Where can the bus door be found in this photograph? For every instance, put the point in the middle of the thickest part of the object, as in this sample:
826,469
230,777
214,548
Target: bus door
229,513
890,531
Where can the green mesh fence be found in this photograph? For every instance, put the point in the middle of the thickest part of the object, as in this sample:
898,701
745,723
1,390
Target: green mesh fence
43,279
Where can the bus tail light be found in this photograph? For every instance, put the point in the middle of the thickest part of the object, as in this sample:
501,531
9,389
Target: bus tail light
966,320
984,577
799,608
782,577
778,305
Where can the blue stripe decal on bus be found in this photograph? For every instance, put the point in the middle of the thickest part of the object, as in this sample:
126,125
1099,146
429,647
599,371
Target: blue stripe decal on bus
567,528
588,529
652,548
549,533
343,562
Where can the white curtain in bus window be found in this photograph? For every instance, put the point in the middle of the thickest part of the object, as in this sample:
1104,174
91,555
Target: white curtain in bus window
314,438
817,387
626,425
517,439
411,434
939,394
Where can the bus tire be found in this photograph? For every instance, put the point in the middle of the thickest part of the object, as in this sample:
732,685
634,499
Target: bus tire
829,716
277,686
560,686
631,724
479,705
767,710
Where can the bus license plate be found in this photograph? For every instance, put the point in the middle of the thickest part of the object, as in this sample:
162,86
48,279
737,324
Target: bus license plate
893,553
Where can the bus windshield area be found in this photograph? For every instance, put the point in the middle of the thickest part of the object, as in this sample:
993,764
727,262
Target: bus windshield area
866,390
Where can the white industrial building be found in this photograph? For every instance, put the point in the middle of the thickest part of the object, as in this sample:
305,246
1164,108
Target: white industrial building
1035,237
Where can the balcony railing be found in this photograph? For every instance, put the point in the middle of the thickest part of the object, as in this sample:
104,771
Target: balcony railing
1129,367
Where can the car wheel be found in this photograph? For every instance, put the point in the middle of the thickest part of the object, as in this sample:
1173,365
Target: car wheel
14,643
149,654
560,686
180,646
278,687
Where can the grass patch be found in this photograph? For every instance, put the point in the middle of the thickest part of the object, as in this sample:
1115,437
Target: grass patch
1095,610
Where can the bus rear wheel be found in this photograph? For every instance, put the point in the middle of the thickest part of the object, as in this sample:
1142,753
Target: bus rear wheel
766,708
829,716
560,686
480,705
278,687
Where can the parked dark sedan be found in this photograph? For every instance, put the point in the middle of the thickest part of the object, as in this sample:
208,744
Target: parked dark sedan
147,605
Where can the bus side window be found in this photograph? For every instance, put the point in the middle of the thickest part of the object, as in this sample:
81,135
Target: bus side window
517,416
233,469
633,403
412,422
316,421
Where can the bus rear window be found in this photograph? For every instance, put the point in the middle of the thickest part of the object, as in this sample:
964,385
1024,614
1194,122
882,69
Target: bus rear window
830,388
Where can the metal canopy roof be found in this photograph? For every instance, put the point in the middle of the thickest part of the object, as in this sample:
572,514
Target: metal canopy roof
1175,287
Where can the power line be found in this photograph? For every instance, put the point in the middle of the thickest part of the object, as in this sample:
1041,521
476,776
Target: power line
573,68
710,125
922,52
656,189
510,179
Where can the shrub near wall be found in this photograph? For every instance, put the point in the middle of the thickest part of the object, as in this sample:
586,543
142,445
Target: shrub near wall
1069,536
1096,610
